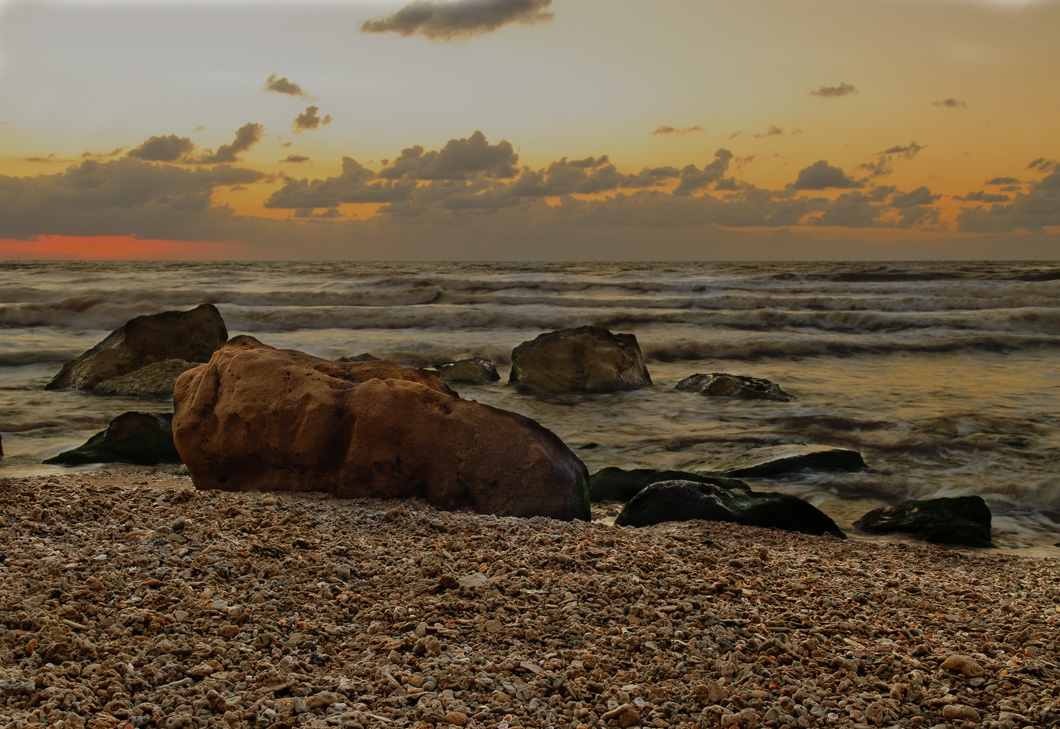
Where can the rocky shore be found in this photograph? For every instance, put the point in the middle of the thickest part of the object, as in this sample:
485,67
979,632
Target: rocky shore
130,598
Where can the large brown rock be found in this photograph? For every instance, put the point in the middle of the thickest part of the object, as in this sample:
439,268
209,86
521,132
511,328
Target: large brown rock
189,335
258,418
154,380
583,360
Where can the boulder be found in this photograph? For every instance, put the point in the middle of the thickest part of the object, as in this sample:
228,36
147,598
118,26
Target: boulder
472,371
145,439
783,460
616,484
963,520
688,500
259,418
363,357
154,380
188,335
720,384
583,360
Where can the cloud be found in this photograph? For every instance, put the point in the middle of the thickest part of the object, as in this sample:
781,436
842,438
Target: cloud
283,86
356,184
458,19
294,158
310,119
982,196
103,155
919,196
834,92
822,176
883,164
164,149
950,103
1002,181
246,137
773,131
589,176
666,129
693,179
908,151
1034,210
1042,164
459,159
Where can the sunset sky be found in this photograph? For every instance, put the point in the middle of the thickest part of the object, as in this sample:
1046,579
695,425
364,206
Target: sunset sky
530,129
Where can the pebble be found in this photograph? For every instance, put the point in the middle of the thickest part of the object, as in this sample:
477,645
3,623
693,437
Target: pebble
963,664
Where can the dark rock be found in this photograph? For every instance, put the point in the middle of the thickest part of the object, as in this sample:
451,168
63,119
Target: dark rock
141,438
472,371
688,500
961,520
365,357
720,384
188,335
616,484
257,418
154,380
583,360
782,460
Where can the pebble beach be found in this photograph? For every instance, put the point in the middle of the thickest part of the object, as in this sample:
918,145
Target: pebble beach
132,599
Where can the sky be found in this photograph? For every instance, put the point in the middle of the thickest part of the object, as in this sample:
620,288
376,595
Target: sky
530,129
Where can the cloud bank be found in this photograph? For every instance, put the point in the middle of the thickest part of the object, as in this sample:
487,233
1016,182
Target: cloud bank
458,19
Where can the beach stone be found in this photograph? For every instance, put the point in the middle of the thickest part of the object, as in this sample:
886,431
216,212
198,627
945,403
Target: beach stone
259,418
617,484
584,360
782,460
742,387
472,371
688,500
154,380
187,335
960,663
145,439
963,520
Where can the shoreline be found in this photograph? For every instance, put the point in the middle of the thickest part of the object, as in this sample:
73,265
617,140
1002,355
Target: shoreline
131,598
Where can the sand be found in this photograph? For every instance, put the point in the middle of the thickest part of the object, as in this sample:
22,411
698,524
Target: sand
129,598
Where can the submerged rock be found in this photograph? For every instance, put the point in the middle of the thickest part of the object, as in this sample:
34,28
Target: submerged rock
616,484
471,371
154,380
688,500
188,335
963,520
782,460
259,418
145,439
720,384
583,360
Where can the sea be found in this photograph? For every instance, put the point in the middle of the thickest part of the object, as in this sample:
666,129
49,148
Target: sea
944,375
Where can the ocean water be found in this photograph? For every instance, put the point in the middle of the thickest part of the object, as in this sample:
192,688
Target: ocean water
945,375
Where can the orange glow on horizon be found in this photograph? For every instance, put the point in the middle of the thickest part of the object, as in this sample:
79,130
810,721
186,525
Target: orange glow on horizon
118,248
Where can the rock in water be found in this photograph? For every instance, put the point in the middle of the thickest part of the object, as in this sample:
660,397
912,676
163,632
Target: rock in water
141,438
472,371
258,418
782,460
583,360
720,384
688,500
189,335
961,520
616,484
154,380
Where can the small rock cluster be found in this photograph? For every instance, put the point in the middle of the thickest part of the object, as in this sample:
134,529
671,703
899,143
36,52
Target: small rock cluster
130,599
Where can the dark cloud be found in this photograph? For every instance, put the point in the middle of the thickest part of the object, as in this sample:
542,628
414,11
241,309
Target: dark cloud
908,151
833,92
49,158
693,179
883,164
1002,181
1042,164
950,103
773,131
822,176
164,149
103,155
919,196
246,137
589,176
310,119
283,86
458,19
982,196
459,159
294,158
1034,210
356,184
666,129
